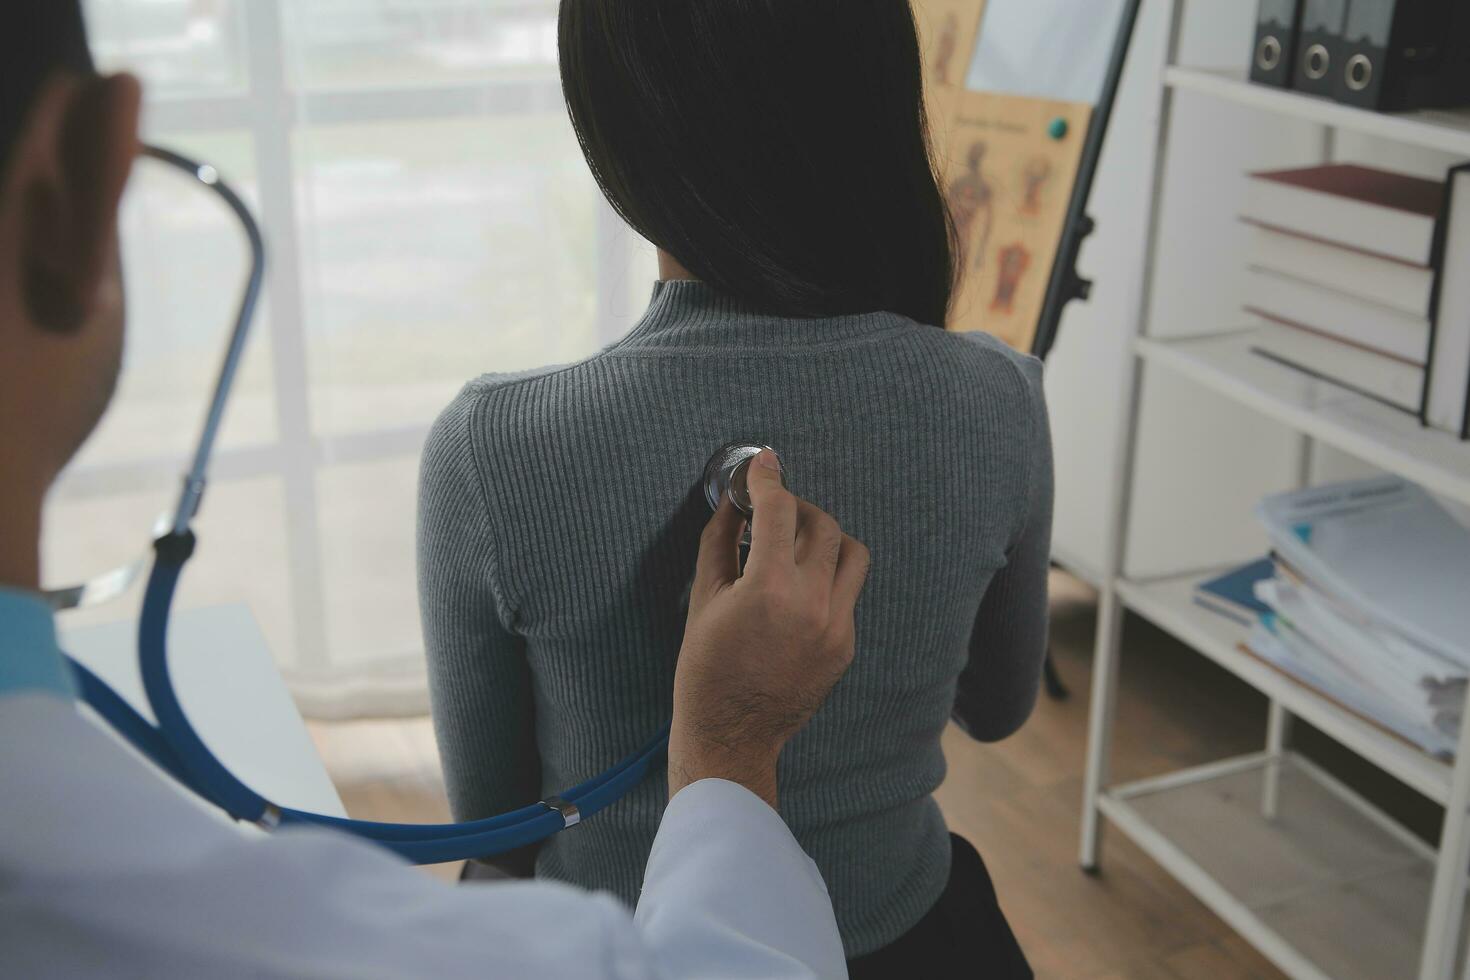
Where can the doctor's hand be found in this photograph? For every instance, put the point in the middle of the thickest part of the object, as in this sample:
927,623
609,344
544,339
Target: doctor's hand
763,649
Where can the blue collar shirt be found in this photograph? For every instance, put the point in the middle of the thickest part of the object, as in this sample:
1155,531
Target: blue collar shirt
30,659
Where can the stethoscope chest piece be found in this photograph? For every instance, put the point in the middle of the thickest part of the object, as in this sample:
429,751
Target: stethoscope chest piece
726,472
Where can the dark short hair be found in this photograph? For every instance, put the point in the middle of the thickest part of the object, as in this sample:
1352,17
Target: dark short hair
778,149
37,37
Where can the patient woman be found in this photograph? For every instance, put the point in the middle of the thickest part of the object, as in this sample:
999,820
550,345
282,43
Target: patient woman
776,153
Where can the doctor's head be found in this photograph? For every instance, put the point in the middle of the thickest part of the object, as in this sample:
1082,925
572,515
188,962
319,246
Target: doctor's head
67,142
778,149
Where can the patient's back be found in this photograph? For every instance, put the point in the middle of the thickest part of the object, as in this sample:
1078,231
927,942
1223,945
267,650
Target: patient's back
560,517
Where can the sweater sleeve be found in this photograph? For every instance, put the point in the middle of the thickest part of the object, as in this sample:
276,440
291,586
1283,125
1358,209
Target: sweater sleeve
479,678
998,687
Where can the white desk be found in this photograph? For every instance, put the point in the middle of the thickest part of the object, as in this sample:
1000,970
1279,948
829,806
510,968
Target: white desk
232,692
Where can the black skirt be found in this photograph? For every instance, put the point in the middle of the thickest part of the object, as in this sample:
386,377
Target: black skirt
965,934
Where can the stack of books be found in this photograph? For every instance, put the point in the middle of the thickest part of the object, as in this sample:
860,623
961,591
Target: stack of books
1344,274
1363,599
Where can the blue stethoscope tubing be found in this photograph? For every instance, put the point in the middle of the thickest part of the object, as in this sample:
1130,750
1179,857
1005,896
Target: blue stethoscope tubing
173,744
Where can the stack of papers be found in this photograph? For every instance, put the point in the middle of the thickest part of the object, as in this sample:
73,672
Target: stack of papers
1368,600
1384,547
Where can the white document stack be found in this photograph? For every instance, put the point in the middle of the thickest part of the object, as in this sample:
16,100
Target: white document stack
1370,604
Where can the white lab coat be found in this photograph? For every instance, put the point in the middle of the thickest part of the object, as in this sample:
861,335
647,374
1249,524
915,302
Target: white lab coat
107,870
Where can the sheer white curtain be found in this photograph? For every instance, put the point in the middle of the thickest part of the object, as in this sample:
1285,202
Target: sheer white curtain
429,218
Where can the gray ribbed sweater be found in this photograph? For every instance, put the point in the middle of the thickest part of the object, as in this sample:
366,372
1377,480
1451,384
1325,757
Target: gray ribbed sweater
558,529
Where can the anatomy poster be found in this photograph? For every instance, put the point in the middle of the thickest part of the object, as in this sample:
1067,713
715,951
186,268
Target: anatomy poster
1008,158
947,32
1009,165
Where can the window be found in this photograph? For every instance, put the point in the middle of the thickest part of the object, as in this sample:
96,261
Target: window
429,218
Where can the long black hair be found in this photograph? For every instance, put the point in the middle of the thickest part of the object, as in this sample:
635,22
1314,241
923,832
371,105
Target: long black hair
778,149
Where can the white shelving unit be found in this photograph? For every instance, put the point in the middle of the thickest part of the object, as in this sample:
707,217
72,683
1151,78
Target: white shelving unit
1373,432
1447,130
1320,881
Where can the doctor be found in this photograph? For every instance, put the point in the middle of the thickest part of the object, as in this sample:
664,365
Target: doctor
105,867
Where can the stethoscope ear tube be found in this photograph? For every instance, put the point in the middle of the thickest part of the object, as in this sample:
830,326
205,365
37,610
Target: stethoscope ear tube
204,770
176,747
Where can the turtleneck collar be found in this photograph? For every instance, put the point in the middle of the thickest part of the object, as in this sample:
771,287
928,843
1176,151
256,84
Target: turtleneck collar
689,314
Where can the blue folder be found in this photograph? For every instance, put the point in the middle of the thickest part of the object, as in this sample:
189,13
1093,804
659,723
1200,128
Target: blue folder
1233,594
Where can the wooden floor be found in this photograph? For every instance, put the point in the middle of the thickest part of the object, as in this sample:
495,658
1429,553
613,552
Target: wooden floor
1018,801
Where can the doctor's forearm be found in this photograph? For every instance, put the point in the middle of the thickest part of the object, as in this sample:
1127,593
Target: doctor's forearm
763,644
692,759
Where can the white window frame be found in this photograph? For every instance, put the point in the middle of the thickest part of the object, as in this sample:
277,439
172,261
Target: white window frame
270,111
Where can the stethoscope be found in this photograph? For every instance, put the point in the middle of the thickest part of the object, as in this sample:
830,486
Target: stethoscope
176,747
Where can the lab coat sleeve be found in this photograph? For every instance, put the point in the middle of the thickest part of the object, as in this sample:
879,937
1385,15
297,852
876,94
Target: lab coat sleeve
479,678
150,883
727,884
999,684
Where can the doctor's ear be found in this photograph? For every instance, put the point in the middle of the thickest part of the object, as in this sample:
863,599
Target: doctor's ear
65,181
